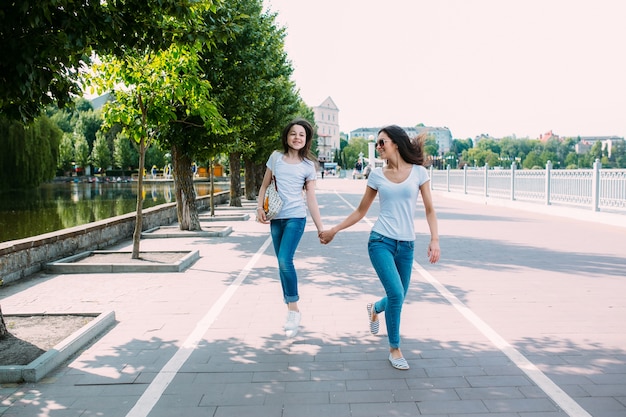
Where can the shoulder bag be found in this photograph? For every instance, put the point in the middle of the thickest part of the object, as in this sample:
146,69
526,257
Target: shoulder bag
272,203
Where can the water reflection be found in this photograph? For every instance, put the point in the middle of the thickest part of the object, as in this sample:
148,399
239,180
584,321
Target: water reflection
57,206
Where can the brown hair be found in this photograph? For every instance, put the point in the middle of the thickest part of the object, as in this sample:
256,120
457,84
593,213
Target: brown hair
411,150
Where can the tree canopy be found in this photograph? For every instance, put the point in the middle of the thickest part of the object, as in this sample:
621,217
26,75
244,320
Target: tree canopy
45,43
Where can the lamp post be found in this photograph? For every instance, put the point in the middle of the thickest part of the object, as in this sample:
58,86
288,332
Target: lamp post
371,150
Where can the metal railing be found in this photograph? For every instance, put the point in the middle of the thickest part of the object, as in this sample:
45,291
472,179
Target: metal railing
595,189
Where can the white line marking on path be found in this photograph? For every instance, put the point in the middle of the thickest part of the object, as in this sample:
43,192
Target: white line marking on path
157,387
571,407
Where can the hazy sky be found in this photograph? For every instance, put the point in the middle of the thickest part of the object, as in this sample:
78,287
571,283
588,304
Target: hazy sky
500,67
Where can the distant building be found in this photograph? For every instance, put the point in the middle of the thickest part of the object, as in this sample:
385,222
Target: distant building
547,136
327,122
587,142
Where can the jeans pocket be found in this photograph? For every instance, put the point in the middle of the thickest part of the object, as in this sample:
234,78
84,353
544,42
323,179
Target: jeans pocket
376,237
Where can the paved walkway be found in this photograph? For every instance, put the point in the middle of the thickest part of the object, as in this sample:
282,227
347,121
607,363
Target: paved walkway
524,316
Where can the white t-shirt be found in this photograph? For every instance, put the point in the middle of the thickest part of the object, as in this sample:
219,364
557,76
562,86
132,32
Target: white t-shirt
290,179
397,202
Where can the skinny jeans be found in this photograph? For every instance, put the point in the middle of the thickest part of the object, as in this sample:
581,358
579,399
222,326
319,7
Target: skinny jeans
286,235
393,261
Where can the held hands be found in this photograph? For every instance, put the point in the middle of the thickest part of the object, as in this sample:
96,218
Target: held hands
326,236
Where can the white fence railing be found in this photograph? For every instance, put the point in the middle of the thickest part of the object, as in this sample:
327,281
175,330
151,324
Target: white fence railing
595,189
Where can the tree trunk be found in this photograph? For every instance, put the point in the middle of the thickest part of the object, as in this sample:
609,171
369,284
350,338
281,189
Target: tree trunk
186,208
235,179
254,177
212,177
139,212
3,327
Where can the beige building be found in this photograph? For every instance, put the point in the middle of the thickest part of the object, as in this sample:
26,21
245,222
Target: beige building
327,122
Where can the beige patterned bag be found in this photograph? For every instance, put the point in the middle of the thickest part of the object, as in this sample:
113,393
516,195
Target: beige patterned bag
272,203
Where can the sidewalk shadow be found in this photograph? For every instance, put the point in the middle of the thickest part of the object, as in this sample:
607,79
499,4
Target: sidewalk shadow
275,374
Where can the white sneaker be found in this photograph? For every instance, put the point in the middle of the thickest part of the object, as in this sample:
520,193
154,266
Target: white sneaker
293,320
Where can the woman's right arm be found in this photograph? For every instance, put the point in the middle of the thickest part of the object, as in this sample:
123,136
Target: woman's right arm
366,201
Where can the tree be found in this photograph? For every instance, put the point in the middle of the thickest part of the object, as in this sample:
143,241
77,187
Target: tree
88,124
30,152
150,90
101,154
356,146
533,160
250,76
124,156
66,153
81,152
44,44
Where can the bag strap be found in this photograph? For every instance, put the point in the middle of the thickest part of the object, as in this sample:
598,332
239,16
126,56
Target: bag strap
275,155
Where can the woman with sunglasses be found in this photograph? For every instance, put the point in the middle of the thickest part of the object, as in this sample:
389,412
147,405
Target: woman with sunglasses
391,241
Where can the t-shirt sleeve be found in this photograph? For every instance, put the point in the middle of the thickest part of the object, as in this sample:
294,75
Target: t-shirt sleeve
311,172
271,162
373,180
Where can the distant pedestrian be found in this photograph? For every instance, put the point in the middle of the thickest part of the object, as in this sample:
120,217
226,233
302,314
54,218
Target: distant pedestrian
391,241
295,170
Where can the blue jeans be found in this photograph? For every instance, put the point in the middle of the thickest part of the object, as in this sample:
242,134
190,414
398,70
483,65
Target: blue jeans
286,234
393,261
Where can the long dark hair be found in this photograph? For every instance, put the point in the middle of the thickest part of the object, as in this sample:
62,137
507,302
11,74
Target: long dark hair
305,151
411,150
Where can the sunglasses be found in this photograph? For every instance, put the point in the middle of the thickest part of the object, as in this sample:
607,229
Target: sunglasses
381,142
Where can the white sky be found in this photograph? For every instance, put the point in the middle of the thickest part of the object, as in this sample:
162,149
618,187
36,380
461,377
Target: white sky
501,67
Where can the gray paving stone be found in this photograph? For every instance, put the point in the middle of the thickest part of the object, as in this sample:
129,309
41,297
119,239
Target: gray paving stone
248,411
316,410
517,405
404,409
452,407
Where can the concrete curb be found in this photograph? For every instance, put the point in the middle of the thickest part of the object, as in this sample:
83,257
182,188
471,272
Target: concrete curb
40,367
174,231
224,217
70,265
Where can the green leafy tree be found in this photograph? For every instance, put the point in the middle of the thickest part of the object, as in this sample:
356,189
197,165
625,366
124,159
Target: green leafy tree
596,151
355,147
124,155
101,154
29,152
571,160
431,147
250,76
44,43
88,125
66,153
533,160
81,152
150,88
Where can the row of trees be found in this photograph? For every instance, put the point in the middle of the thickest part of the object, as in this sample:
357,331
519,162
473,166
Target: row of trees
533,154
86,145
526,153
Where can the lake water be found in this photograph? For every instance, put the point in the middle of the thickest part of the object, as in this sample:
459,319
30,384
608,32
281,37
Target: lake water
57,206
